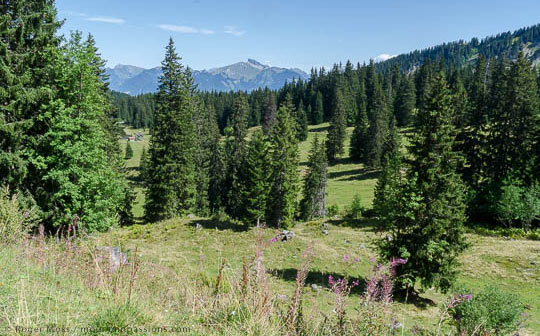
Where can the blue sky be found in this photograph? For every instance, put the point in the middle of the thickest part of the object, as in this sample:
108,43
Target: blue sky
292,33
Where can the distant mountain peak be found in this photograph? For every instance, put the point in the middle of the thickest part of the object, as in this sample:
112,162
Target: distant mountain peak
257,63
245,76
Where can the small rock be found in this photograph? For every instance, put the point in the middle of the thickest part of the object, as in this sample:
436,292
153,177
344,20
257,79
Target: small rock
316,288
533,263
285,235
198,226
324,232
116,256
324,225
362,246
283,297
505,237
191,216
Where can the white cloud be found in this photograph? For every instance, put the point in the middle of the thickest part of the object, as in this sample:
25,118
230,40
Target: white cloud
185,29
233,31
72,13
383,57
106,19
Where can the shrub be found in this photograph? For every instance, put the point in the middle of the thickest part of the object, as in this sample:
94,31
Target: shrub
356,209
518,204
333,210
491,311
15,219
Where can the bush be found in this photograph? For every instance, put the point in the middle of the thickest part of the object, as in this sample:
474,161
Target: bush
333,210
356,209
518,204
15,219
490,312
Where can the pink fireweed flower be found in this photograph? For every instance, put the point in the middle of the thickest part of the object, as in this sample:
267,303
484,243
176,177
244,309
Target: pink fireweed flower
346,257
273,240
356,259
397,261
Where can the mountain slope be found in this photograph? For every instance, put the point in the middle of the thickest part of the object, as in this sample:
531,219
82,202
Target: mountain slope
246,76
462,53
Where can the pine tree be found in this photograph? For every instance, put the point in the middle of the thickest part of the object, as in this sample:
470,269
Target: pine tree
171,173
318,109
269,117
283,165
28,43
378,126
74,156
256,180
338,128
129,151
427,210
235,153
301,122
313,203
207,135
405,101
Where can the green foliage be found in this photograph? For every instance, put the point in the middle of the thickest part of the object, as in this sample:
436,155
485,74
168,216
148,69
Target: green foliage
171,184
518,204
283,165
79,168
333,210
338,123
255,191
356,208
490,312
129,151
118,319
424,212
313,203
15,219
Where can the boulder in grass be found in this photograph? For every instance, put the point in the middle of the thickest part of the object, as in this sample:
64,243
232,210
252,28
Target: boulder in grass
116,256
285,235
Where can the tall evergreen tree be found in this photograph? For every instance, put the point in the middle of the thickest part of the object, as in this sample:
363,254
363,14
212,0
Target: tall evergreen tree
256,180
28,44
338,127
313,202
318,109
378,126
427,228
236,150
269,117
301,122
171,173
207,134
73,158
405,101
283,165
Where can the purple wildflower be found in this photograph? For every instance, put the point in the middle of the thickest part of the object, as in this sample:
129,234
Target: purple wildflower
346,257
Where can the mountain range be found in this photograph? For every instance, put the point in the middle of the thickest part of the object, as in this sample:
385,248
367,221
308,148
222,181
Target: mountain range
246,76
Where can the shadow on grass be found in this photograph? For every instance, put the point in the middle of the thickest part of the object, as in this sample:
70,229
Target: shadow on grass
356,223
317,129
319,278
359,174
221,225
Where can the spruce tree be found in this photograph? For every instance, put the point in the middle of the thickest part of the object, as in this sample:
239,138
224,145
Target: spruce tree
405,101
378,126
301,122
129,151
318,109
338,127
313,202
207,134
283,165
171,171
256,180
426,209
269,117
235,153
73,155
